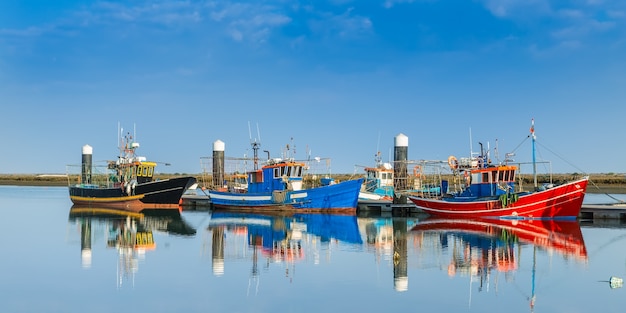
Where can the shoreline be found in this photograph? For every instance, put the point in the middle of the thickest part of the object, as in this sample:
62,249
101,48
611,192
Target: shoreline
605,184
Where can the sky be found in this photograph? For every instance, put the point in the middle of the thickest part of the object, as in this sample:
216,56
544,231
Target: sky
334,79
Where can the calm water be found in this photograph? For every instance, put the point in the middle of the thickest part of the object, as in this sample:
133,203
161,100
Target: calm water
54,261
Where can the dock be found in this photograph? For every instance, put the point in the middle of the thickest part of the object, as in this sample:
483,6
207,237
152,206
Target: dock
606,211
196,202
603,211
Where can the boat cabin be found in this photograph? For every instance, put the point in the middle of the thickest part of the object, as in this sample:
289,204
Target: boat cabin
145,171
379,179
489,181
138,170
278,175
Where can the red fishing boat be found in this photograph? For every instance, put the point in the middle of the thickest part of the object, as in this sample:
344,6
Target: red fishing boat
490,191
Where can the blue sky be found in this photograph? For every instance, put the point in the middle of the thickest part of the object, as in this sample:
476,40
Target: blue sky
337,79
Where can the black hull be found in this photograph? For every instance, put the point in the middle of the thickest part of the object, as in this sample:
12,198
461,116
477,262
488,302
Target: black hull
166,191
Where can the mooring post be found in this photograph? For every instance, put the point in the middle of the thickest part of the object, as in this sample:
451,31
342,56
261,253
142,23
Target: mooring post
401,147
86,164
218,164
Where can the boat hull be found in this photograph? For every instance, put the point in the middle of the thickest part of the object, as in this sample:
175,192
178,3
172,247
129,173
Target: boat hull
166,192
128,203
340,197
562,202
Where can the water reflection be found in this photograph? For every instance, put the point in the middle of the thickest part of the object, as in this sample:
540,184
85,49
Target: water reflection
276,237
478,248
474,249
129,233
291,238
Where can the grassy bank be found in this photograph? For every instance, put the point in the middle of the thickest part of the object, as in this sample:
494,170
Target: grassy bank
599,183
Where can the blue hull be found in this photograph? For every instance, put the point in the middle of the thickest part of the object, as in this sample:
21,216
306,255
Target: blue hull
337,197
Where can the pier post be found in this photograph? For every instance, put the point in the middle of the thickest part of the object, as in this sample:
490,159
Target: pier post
218,164
401,147
400,255
217,251
85,172
85,243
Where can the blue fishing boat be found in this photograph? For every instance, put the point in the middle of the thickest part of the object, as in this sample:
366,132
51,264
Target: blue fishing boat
279,185
378,182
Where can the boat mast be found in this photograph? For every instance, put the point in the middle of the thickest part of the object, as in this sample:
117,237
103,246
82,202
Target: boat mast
255,146
532,135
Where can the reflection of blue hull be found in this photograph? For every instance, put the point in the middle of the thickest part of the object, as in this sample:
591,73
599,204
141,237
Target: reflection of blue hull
341,227
336,197
273,228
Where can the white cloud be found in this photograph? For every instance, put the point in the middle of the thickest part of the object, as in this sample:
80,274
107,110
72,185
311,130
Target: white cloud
514,8
343,25
391,3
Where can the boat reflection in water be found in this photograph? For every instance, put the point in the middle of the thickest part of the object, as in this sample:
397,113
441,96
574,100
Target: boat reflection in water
130,233
280,237
480,247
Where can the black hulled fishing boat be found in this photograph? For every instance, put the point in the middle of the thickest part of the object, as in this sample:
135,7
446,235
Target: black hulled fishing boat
127,182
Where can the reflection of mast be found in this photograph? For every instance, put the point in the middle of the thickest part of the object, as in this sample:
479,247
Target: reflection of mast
124,241
255,241
532,292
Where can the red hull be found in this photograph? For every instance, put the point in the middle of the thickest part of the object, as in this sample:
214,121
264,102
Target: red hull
564,237
563,201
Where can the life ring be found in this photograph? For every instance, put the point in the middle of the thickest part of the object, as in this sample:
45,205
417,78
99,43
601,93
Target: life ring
452,162
417,171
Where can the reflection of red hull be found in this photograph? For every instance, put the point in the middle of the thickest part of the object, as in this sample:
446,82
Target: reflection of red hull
564,237
563,201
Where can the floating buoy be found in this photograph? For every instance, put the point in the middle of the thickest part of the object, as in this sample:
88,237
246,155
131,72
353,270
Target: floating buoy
615,282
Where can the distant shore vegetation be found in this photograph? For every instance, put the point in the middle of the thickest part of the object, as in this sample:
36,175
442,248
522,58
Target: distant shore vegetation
599,183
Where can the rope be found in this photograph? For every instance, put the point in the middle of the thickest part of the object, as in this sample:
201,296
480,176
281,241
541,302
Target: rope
608,195
572,165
